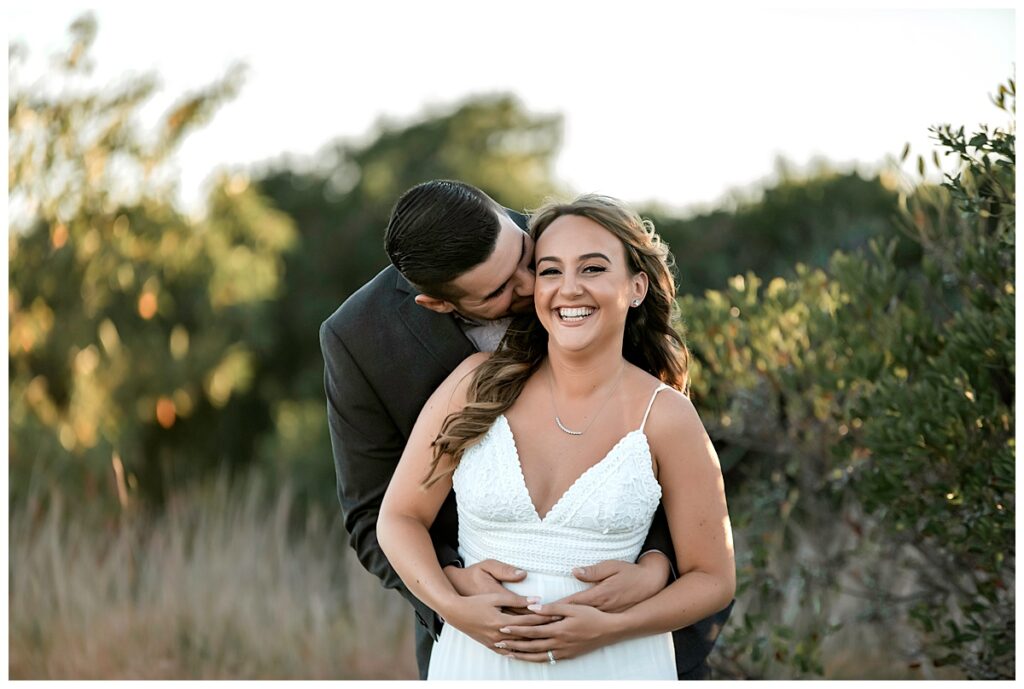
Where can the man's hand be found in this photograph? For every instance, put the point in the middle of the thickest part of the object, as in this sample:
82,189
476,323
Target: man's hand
485,576
620,585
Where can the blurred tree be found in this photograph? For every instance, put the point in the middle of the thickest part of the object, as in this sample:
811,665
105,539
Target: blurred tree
797,219
133,329
340,209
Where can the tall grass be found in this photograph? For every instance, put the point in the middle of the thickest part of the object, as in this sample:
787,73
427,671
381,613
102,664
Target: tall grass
223,585
231,583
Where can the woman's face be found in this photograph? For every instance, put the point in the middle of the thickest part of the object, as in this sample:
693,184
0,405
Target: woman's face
583,287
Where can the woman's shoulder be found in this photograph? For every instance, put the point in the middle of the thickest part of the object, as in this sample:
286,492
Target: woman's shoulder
463,372
646,384
456,385
672,417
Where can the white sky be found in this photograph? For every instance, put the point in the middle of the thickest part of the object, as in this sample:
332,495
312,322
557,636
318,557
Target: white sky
659,104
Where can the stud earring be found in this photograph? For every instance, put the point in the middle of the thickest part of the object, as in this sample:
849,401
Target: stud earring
636,302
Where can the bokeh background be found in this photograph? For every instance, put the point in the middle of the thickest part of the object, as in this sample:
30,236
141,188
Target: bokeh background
193,189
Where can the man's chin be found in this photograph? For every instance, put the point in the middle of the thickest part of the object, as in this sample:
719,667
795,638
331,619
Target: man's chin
518,309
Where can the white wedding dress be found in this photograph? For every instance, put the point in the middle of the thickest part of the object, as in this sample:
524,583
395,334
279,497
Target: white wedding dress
604,515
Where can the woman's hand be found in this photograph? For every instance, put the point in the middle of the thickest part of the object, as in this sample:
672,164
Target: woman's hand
580,630
481,617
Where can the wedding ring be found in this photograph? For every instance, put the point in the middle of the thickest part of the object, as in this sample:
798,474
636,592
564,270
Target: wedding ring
551,658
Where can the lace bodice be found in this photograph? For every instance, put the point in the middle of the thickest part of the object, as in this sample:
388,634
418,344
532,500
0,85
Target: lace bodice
604,515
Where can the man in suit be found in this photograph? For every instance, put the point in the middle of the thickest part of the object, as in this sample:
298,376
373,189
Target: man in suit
461,267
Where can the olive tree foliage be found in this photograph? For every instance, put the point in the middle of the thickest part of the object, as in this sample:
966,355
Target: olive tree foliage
937,444
868,410
133,328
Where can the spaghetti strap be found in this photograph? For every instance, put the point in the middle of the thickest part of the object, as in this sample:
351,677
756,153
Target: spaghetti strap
651,404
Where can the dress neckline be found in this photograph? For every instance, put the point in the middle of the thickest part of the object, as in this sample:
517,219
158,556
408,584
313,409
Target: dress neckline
588,470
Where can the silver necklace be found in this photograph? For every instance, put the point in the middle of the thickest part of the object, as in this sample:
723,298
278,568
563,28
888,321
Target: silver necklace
558,421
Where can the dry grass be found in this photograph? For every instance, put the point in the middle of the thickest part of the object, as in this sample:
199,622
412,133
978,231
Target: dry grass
219,587
225,586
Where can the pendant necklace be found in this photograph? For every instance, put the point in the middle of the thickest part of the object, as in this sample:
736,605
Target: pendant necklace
558,421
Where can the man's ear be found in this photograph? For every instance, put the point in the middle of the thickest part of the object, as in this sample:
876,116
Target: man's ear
434,304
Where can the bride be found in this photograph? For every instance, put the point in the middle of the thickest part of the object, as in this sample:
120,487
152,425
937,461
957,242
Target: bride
559,447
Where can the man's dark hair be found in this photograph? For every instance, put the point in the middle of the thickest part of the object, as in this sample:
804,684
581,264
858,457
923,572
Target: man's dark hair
439,230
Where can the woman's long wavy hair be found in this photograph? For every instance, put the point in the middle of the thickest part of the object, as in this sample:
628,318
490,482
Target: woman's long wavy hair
651,341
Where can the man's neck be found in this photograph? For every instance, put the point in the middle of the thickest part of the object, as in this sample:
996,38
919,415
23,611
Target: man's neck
482,322
484,334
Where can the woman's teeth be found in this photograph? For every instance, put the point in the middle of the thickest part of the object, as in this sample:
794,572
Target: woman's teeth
577,314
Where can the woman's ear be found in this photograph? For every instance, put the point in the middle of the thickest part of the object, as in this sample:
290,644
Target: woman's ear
640,284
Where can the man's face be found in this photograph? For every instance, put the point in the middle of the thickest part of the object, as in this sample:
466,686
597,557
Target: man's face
503,284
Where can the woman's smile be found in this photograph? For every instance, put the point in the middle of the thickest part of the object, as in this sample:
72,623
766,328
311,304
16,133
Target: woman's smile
574,316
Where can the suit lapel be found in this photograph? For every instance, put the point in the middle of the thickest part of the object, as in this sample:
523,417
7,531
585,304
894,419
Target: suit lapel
438,333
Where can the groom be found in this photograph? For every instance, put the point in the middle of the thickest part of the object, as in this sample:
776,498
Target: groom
461,267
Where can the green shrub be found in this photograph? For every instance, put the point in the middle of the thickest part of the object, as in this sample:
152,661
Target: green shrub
870,406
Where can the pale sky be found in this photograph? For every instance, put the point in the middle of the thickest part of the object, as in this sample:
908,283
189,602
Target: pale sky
659,104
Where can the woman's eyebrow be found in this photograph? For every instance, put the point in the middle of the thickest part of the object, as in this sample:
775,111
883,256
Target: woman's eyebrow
583,257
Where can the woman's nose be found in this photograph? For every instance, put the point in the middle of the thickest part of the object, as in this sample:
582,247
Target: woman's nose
570,285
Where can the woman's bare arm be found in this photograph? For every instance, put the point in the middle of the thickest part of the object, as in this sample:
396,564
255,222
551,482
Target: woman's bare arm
408,510
693,493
